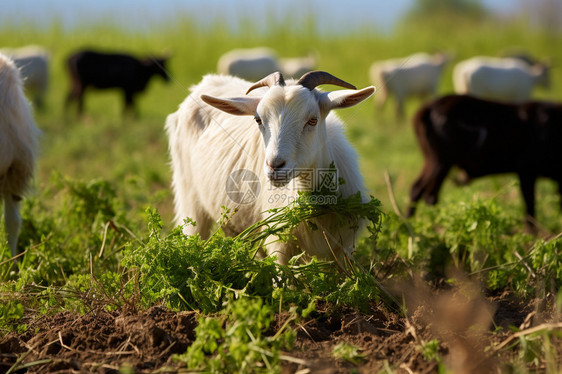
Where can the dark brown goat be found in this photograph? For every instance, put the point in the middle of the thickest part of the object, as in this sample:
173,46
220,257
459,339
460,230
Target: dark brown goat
103,71
484,137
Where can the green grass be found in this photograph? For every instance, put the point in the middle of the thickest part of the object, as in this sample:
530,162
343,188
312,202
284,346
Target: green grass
86,226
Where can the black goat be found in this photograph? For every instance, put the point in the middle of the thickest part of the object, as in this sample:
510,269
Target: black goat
483,137
103,71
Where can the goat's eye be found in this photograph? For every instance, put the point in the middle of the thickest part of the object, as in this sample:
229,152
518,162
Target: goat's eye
312,121
258,120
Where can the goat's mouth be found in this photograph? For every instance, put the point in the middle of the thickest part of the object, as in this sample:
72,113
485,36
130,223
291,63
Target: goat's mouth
280,178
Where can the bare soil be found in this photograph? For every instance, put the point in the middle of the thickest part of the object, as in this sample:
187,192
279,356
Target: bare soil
102,342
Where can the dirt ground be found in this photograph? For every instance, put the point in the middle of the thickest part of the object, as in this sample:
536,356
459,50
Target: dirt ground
102,342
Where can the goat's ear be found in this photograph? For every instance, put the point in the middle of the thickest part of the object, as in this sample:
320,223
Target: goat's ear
345,98
239,106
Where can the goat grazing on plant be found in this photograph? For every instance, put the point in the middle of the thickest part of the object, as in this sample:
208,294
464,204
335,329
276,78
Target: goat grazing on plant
18,147
255,63
275,132
415,75
505,79
251,63
295,67
113,70
483,137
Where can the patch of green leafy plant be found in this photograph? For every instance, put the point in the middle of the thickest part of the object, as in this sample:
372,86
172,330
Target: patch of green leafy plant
477,235
537,349
237,341
394,233
430,350
190,273
187,272
11,311
72,235
475,227
542,265
318,280
391,252
69,226
109,291
347,352
282,221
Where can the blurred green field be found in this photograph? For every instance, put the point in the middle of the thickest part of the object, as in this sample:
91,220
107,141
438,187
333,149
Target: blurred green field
132,153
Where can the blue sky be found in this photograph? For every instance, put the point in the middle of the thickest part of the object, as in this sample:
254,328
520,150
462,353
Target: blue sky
143,13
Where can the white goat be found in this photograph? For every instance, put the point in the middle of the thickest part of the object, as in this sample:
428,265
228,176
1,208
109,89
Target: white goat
505,79
296,132
33,62
251,64
255,63
18,147
294,67
415,75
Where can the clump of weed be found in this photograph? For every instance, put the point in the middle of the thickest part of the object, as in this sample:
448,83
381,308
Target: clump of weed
67,227
11,312
71,238
347,352
187,272
482,238
237,340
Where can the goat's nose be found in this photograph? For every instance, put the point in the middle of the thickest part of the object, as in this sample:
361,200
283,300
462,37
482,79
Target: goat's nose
276,164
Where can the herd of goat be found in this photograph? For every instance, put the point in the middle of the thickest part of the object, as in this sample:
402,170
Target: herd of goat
489,126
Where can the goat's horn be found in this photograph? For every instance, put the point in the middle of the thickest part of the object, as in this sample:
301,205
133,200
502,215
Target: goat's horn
271,80
315,78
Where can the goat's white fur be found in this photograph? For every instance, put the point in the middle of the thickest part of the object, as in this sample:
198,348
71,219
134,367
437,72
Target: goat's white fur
505,79
33,62
18,147
415,75
207,144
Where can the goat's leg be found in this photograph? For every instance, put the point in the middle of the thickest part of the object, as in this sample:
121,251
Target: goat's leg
203,225
283,251
69,99
438,175
76,94
12,221
80,99
188,207
129,98
527,182
417,190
